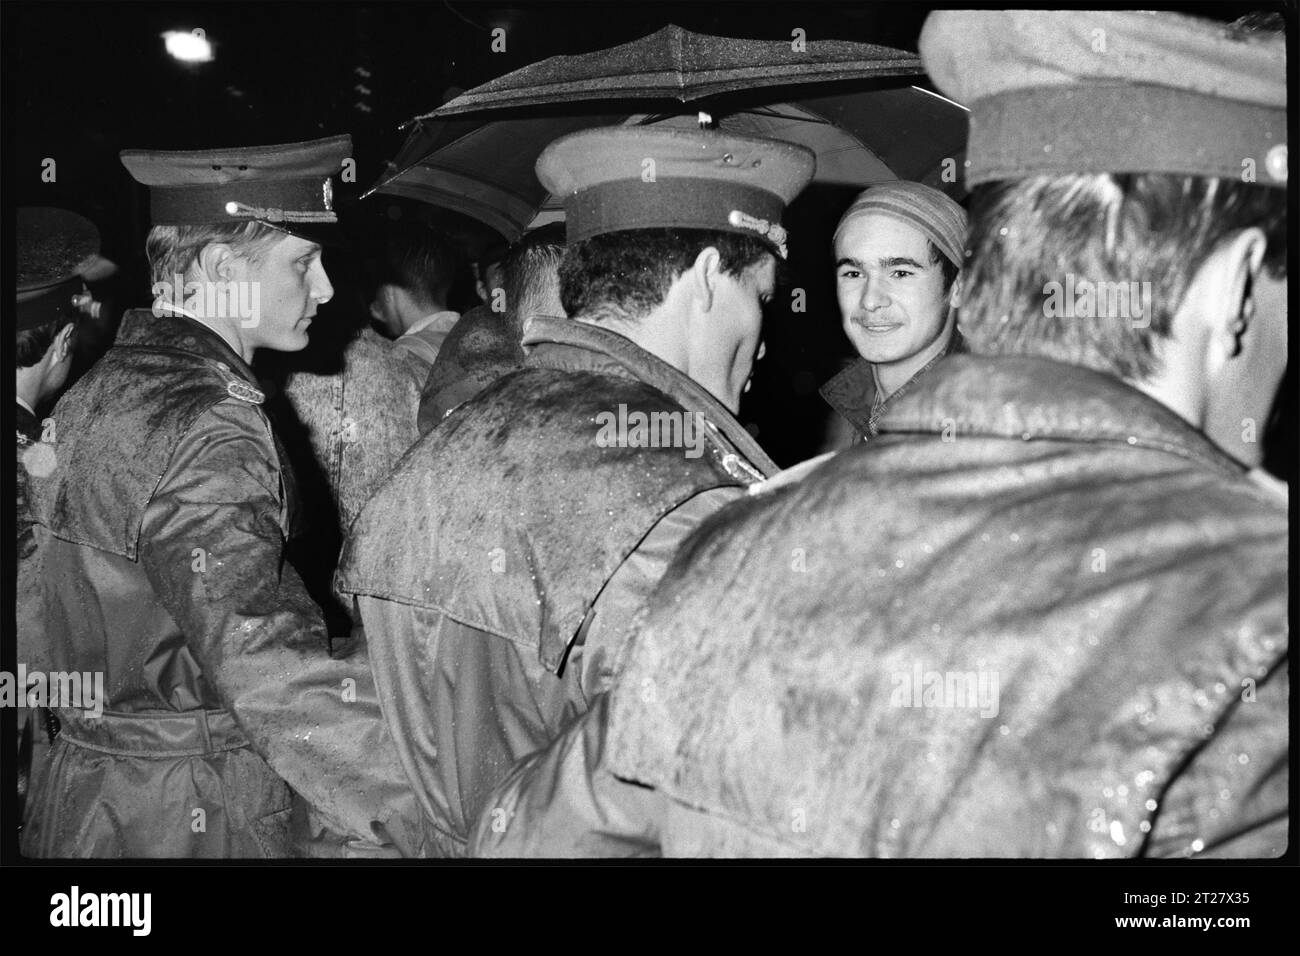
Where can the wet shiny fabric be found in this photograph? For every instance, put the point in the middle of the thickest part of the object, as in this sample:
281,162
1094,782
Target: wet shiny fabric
359,421
477,566
483,346
161,545
1123,581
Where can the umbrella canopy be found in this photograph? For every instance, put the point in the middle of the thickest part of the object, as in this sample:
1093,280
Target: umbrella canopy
680,65
485,168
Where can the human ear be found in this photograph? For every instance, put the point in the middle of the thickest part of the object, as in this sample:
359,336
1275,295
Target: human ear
216,261
1226,280
705,272
63,343
954,294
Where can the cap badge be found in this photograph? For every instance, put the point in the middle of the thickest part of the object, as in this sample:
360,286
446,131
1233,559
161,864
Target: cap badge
773,232
327,192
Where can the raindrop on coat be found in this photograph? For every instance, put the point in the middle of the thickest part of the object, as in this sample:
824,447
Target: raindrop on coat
1117,832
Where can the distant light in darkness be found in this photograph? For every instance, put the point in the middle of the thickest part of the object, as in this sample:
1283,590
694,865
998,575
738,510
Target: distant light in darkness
188,46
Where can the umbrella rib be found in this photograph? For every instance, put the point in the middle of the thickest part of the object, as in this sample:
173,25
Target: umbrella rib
770,111
494,184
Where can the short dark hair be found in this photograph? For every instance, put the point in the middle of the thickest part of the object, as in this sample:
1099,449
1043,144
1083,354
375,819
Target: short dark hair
529,262
418,259
632,271
949,268
35,342
1102,227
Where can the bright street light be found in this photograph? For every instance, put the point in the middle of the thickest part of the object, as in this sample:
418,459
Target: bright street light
188,46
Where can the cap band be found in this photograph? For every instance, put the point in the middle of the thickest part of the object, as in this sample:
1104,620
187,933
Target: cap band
279,200
676,204
1124,128
50,305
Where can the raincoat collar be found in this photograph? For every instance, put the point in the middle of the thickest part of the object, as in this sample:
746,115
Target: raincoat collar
854,395
1035,398
142,329
580,346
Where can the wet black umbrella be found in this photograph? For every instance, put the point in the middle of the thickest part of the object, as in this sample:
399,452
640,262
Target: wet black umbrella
475,155
859,106
676,64
485,168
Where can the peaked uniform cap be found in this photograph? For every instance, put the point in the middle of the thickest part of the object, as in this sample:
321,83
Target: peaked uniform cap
56,251
286,186
1055,92
614,179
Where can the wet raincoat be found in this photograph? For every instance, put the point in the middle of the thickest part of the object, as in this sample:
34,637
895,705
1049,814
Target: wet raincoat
161,557
480,348
1060,633
514,543
344,427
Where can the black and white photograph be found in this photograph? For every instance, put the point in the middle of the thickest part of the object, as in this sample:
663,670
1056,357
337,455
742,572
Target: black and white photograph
577,434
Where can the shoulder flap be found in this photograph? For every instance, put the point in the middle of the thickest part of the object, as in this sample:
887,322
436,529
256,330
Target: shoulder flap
114,436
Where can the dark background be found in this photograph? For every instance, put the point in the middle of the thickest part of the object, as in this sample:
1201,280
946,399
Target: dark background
82,81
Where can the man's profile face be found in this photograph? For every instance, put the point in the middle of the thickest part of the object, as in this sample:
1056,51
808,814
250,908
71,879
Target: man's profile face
890,292
290,282
740,303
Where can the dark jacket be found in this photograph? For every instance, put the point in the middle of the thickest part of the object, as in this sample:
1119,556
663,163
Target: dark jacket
345,424
853,394
499,566
1038,616
161,555
483,346
359,420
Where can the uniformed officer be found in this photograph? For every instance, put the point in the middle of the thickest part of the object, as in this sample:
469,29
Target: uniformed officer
1045,613
165,517
500,565
57,253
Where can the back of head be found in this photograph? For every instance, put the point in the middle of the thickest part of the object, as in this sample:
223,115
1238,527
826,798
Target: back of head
1111,154
628,274
641,204
1132,241
531,272
417,258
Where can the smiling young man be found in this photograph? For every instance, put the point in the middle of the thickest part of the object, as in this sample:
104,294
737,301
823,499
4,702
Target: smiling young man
163,519
498,569
898,256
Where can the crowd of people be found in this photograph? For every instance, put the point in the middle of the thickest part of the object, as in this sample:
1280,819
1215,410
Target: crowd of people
516,582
